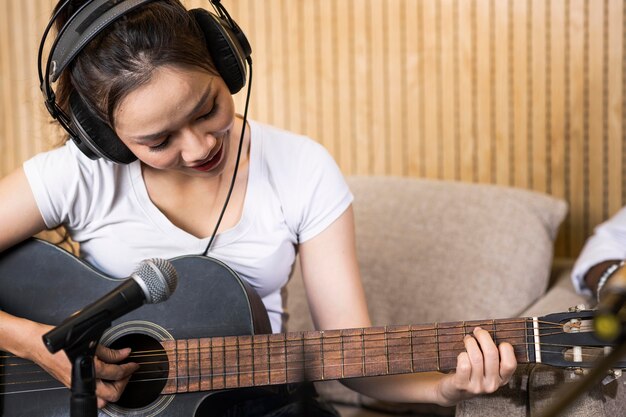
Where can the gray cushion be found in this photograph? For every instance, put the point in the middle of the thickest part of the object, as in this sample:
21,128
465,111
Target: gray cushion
443,251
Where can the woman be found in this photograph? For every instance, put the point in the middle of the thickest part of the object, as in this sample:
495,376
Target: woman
150,79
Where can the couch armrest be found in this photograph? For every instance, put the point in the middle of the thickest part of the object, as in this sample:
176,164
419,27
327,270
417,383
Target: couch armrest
560,295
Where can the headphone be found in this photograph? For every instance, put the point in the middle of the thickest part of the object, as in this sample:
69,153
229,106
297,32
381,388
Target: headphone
227,45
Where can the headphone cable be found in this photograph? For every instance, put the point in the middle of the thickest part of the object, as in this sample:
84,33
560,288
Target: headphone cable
232,182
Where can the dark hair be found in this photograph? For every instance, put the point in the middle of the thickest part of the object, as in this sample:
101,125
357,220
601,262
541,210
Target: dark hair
125,55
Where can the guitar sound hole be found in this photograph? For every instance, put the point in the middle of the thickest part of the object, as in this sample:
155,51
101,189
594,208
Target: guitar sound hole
148,381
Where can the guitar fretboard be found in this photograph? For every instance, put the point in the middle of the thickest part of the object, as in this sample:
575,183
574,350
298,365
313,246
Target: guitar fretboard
244,361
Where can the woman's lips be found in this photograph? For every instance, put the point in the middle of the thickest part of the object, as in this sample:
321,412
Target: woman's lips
211,163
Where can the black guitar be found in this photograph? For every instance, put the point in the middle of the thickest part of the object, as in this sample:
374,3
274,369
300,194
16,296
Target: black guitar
212,336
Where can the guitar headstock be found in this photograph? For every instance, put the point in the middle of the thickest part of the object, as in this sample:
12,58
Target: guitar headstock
568,340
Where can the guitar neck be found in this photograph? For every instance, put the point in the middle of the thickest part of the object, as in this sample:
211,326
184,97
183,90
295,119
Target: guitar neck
244,361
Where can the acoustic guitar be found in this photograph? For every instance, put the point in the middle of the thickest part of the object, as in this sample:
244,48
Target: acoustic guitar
213,335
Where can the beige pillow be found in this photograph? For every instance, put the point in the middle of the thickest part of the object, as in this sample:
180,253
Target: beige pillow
442,251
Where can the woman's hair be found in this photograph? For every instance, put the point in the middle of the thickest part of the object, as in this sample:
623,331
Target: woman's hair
125,55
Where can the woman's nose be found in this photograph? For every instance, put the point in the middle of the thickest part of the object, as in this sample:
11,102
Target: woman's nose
197,145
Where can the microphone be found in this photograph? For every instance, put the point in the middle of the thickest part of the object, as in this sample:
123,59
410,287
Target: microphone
610,318
153,281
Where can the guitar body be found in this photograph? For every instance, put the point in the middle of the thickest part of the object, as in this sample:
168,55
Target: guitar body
44,283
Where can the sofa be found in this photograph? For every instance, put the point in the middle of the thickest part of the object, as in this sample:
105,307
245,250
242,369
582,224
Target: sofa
438,251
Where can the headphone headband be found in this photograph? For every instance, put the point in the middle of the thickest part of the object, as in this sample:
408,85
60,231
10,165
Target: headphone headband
83,27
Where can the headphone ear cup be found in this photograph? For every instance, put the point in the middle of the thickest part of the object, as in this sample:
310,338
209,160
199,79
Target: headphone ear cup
227,46
94,137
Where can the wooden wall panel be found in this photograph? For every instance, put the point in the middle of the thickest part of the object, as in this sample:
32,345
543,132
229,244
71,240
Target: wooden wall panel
524,93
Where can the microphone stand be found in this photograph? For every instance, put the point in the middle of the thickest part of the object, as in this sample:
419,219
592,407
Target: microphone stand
79,343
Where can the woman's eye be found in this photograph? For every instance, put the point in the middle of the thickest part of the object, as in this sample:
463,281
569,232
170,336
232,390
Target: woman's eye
160,146
210,113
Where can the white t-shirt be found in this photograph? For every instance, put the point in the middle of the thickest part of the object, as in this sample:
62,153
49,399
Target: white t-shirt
295,190
608,242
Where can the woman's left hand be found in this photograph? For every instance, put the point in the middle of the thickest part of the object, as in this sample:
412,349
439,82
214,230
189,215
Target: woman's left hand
481,369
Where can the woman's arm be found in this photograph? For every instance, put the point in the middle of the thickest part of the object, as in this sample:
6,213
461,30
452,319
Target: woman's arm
337,300
19,215
19,219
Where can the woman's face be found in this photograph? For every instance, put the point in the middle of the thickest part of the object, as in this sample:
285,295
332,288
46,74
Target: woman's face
180,121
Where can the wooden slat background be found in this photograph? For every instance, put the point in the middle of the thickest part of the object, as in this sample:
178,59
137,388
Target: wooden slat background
525,93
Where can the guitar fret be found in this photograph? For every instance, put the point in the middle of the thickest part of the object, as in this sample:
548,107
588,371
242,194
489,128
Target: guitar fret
322,352
437,346
495,332
375,353
245,361
278,374
237,360
206,380
352,353
331,354
425,353
526,323
285,357
171,384
411,349
363,352
386,349
194,365
295,357
399,356
343,363
218,374
252,346
312,356
231,365
261,360
183,363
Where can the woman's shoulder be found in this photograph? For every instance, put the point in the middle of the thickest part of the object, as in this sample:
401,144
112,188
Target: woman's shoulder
286,146
68,157
66,165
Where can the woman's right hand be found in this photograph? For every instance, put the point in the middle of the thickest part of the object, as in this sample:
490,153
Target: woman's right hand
112,376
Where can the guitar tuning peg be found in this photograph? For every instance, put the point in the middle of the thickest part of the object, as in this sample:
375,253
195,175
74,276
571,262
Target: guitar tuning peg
578,308
613,374
580,371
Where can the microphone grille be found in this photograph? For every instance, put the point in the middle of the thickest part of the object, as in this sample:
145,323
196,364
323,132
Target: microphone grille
158,279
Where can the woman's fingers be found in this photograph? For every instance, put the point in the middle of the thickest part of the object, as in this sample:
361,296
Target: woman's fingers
508,362
112,355
485,367
112,376
110,391
476,360
491,379
107,364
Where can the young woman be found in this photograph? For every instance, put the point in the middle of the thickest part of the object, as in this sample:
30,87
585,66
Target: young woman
150,78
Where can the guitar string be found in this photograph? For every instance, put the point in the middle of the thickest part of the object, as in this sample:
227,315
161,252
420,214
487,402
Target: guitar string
361,363
225,374
284,345
327,336
338,339
282,354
